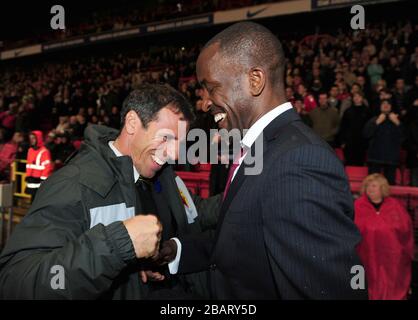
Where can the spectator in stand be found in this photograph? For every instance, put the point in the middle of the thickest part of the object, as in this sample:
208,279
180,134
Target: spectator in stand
308,99
8,120
300,109
290,95
333,100
90,113
351,137
411,142
364,86
114,118
384,133
344,96
393,71
384,94
348,75
76,127
64,149
50,143
375,94
387,247
413,93
413,69
374,70
39,165
8,154
400,95
325,120
64,124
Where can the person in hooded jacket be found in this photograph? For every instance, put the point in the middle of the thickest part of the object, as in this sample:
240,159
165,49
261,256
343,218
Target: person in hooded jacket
38,163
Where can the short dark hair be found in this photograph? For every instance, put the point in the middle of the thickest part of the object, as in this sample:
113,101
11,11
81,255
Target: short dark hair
250,44
148,99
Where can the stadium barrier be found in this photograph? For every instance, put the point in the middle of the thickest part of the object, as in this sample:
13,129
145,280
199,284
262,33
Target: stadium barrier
18,176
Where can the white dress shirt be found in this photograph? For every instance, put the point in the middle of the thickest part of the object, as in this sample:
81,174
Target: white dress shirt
246,143
257,128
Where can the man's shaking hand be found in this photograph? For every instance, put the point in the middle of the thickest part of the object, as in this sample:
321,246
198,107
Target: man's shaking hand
167,253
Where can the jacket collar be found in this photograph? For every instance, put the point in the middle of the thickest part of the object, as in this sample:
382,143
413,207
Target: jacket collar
112,168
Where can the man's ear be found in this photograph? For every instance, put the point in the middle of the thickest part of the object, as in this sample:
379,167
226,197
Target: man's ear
257,80
132,122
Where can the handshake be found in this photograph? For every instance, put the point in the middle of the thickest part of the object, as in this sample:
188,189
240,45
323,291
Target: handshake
145,233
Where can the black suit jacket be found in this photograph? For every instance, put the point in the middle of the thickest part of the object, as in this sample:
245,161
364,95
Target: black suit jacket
285,233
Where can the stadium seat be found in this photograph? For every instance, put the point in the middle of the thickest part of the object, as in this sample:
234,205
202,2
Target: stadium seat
403,177
356,174
196,182
203,167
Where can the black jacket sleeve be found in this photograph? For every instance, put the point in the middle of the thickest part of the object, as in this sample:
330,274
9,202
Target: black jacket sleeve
208,211
55,233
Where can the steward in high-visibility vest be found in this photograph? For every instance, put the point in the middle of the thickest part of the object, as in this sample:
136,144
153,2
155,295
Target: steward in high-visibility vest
39,165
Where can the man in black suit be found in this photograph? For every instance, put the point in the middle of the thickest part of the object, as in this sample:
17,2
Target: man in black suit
287,232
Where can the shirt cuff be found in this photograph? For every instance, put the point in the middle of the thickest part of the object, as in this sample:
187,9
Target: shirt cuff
173,266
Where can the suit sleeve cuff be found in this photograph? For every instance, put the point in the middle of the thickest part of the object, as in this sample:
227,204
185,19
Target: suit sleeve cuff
173,266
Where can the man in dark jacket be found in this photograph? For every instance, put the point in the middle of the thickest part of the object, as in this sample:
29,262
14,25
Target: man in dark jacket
90,221
351,132
385,135
411,143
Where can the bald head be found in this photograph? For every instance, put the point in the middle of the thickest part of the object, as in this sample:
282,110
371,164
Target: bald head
242,72
248,45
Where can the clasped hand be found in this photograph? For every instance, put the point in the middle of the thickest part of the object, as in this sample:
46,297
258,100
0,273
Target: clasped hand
166,254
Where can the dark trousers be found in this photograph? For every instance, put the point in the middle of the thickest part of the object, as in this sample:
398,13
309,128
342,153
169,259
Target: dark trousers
32,192
389,171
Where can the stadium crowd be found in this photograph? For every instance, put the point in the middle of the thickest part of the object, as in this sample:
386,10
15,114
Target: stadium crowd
357,89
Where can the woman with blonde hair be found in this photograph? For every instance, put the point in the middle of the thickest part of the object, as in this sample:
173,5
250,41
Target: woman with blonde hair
387,247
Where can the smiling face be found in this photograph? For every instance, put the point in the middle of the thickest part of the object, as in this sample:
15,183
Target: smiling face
151,147
374,191
225,89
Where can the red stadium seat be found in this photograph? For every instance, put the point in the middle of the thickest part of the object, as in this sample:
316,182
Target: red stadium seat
403,177
402,158
356,174
196,182
203,167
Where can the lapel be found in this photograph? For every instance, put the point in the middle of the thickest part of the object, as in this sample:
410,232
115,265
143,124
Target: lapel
271,132
169,201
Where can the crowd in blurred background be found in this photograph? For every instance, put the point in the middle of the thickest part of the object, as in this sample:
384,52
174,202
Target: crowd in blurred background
357,89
